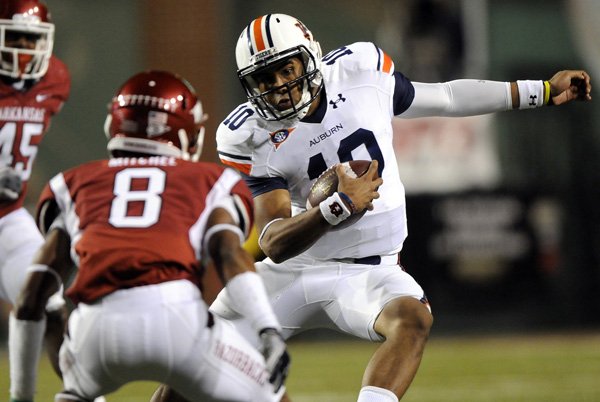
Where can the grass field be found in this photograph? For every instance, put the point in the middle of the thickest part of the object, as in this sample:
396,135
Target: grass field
545,368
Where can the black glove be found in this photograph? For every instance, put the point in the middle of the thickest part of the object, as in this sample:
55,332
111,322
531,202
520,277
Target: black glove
10,184
276,356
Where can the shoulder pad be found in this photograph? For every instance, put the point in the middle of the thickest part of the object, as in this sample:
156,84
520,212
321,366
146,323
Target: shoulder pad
362,56
234,138
48,212
58,79
238,126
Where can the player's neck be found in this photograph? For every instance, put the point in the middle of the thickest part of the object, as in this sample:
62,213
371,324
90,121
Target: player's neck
16,83
314,105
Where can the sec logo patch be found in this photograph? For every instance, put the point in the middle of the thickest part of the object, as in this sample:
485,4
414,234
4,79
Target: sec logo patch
278,137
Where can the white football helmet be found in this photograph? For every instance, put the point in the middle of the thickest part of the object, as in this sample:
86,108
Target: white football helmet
27,20
272,39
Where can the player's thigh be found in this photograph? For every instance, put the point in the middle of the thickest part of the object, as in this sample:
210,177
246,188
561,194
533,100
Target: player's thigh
80,359
133,334
225,367
360,298
19,241
296,296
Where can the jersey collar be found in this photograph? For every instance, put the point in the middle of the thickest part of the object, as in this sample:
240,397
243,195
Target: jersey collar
317,116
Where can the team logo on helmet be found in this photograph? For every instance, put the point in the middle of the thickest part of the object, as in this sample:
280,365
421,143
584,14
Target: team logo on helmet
304,30
157,124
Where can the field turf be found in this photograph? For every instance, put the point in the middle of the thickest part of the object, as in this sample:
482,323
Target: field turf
540,368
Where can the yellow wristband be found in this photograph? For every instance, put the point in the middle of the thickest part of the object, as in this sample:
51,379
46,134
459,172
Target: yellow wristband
546,92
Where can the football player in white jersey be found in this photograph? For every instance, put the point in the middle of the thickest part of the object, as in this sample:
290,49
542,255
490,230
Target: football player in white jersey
306,113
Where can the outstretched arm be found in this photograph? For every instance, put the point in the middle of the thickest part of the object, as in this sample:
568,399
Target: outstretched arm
474,97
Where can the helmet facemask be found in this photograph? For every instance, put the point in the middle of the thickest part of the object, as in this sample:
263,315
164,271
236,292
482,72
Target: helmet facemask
24,63
310,82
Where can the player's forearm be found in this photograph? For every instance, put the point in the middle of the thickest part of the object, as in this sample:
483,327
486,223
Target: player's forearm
234,261
249,298
223,241
24,348
460,98
286,238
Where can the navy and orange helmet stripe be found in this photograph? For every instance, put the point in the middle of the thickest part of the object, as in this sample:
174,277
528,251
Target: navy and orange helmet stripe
258,34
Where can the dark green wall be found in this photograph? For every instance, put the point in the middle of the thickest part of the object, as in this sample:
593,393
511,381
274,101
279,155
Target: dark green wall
99,42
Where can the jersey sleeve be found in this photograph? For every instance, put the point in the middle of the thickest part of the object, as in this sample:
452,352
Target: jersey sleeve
234,139
244,205
47,210
228,191
55,86
404,93
261,185
361,56
377,68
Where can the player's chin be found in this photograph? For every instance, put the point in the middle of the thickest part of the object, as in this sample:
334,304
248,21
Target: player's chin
284,106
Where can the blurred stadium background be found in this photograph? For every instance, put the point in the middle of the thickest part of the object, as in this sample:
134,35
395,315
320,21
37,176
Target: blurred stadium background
504,224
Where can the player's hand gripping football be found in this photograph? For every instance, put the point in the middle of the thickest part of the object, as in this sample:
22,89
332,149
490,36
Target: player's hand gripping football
10,184
569,85
361,190
276,356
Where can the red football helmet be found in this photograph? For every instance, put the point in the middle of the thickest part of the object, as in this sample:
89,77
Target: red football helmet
26,39
156,113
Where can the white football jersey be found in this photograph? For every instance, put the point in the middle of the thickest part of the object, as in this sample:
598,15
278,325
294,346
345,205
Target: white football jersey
353,121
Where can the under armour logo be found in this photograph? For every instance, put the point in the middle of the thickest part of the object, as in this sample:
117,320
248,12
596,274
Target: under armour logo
336,209
533,100
335,102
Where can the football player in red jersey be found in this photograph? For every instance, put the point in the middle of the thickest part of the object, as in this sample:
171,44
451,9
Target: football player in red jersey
33,87
141,227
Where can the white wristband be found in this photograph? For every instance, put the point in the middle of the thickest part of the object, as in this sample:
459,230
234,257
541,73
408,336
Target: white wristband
221,227
531,94
334,210
262,233
46,268
249,298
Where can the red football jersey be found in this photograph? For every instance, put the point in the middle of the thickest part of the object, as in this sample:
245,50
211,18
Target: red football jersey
139,221
24,119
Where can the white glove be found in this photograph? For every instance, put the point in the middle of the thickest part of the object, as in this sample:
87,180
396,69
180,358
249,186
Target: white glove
276,356
10,184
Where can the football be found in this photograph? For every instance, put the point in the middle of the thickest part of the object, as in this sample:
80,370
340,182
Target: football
327,183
